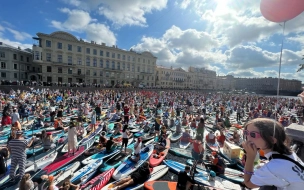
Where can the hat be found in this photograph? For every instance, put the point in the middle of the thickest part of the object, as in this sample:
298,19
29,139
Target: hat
19,132
48,133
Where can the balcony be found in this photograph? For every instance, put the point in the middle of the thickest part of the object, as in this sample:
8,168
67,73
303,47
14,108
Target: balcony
178,80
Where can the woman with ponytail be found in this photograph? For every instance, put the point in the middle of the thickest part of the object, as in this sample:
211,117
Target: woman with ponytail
26,183
284,169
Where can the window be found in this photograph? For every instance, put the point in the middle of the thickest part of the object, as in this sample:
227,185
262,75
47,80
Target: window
59,69
59,45
123,66
88,50
138,60
70,80
113,55
88,61
60,79
148,61
107,74
70,71
148,69
70,47
128,67
138,68
129,57
48,43
37,55
21,57
101,63
94,73
108,64
100,73
15,56
133,67
70,60
94,62
112,74
118,56
79,71
133,59
118,65
3,75
101,53
3,65
94,52
78,48
79,61
144,60
113,65
15,66
123,57
2,54
15,75
88,72
49,79
143,69
49,69
59,58
108,54
27,59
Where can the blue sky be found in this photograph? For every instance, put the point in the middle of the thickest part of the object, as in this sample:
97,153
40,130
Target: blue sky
228,36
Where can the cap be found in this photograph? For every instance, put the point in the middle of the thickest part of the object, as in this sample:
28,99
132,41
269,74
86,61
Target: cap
19,132
48,133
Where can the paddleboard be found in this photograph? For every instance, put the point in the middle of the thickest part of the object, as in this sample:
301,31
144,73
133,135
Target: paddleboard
100,155
85,173
40,164
163,185
116,160
99,181
181,152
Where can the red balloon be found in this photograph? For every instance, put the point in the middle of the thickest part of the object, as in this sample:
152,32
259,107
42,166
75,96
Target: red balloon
281,10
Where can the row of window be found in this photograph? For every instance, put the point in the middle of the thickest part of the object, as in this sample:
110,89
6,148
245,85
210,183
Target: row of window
101,52
4,66
2,55
3,75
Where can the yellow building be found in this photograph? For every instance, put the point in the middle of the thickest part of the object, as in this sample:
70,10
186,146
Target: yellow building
66,59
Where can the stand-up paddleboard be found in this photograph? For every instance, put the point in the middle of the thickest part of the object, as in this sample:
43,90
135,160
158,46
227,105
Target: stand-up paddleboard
64,160
8,185
40,164
100,155
85,173
149,142
175,136
202,176
163,185
128,167
32,160
184,144
181,152
156,173
156,159
99,181
116,159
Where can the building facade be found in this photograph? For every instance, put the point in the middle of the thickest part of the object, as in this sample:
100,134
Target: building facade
66,59
267,84
194,78
225,82
16,64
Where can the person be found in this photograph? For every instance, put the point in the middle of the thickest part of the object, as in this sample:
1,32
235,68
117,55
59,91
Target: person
201,127
72,138
163,144
17,148
178,125
102,139
238,113
93,121
157,125
24,113
125,137
15,116
137,148
126,110
110,145
235,137
141,175
4,154
6,120
284,169
67,185
184,181
58,124
217,163
186,136
26,183
198,148
210,137
98,112
81,132
47,140
221,138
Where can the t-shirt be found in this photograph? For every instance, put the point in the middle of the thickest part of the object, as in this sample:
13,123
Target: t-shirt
109,145
18,147
281,173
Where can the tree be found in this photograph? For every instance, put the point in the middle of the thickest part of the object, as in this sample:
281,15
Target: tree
301,66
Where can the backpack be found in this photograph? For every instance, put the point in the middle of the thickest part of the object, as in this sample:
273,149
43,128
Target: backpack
3,166
281,156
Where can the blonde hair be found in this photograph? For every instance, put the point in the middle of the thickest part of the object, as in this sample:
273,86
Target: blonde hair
24,185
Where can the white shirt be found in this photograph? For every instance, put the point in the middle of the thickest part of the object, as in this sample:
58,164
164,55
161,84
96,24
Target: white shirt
125,135
281,173
15,117
138,148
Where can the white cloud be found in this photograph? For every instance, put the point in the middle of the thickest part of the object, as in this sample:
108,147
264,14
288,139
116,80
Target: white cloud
122,12
19,35
81,21
14,43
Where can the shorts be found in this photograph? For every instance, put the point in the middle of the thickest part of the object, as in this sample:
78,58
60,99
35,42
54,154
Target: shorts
124,142
138,179
157,127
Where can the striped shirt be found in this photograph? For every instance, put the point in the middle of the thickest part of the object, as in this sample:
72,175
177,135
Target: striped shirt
18,147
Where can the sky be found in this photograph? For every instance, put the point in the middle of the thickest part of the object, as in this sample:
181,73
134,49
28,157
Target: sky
227,36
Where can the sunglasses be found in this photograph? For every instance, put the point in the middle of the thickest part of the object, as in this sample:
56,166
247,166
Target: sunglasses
252,134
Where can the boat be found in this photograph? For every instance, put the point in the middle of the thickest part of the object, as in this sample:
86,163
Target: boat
128,167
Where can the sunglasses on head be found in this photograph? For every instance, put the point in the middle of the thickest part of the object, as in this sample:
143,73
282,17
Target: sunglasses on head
252,134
